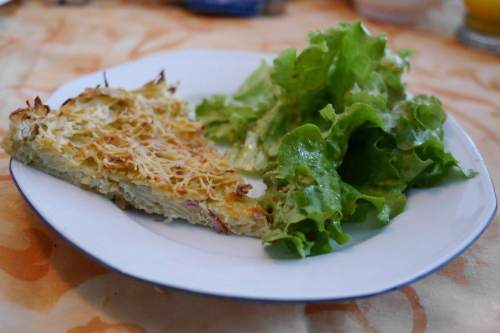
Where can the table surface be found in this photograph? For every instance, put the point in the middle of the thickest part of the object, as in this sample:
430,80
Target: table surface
48,286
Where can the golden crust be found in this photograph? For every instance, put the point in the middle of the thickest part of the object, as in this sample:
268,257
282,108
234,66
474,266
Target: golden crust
142,137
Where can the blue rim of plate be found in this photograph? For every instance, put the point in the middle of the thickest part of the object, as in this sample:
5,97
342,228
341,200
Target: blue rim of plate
266,300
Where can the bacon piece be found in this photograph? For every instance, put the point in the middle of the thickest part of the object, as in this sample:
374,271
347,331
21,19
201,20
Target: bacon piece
243,189
215,221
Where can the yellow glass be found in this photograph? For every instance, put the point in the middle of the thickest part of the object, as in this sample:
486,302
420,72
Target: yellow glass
483,16
481,28
486,9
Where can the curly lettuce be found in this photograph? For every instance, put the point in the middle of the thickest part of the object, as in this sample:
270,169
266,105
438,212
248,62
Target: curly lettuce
335,136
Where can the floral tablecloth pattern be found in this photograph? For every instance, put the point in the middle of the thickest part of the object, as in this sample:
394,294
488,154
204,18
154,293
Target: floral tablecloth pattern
46,285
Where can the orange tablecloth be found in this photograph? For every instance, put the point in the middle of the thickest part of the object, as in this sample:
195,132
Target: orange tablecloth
48,286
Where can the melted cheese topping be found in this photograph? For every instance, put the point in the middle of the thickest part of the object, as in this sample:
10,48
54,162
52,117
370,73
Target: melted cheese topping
143,135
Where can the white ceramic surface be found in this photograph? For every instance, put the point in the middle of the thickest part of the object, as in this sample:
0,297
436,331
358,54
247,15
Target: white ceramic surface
438,224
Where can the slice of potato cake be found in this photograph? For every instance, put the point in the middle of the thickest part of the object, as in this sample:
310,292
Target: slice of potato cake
139,148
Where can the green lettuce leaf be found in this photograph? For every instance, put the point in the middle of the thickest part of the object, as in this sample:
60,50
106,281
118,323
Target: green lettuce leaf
228,119
335,136
308,198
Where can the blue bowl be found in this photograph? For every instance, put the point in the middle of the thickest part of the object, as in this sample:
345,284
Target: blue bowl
227,7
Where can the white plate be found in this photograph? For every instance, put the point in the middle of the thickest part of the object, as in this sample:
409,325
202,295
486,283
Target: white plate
438,224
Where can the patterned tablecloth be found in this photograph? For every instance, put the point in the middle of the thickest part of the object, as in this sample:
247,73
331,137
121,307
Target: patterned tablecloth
48,286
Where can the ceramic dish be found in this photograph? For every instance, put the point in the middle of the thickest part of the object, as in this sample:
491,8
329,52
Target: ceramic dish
438,224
